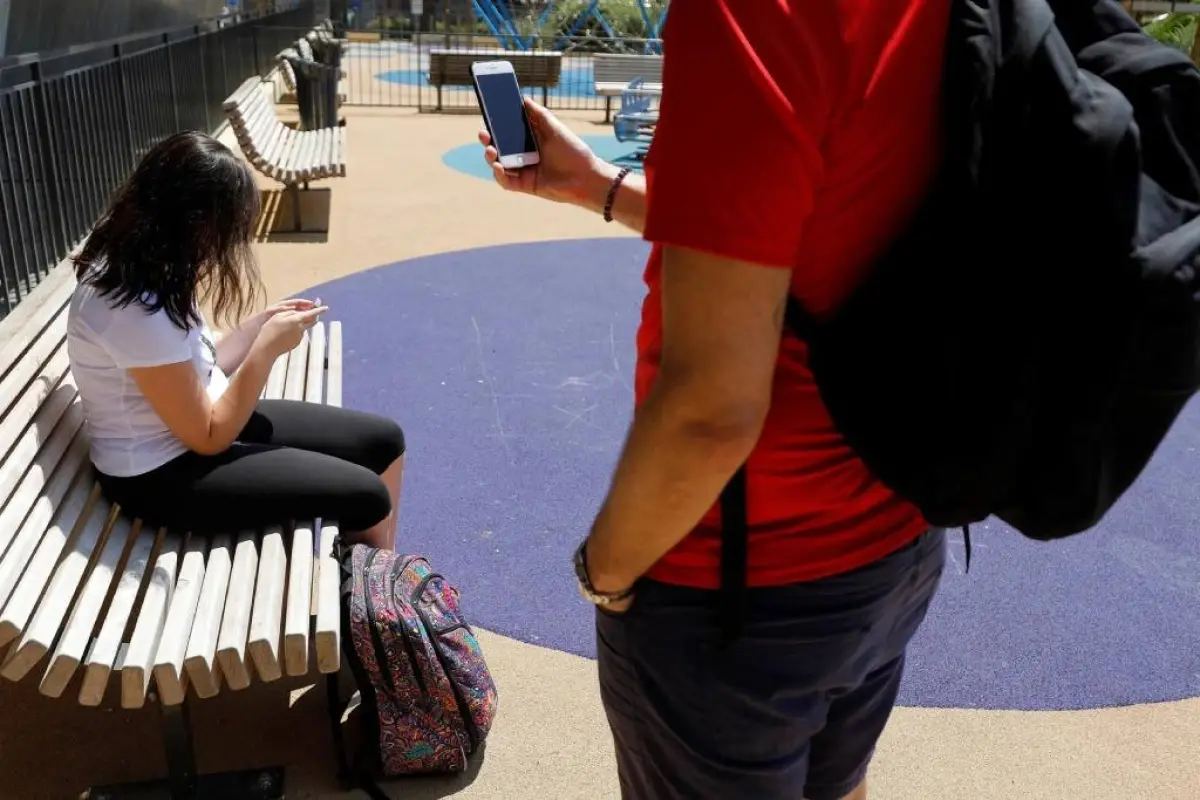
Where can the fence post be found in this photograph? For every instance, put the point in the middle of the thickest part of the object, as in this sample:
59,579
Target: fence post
48,159
171,71
222,36
123,79
202,49
258,69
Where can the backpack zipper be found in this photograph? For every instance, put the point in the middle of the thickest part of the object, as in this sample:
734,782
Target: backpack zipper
397,569
385,669
463,710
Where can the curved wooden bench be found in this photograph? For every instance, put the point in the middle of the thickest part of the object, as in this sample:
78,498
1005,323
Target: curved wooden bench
277,151
303,48
294,158
85,590
285,69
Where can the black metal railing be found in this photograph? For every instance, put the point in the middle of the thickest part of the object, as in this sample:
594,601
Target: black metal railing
73,123
390,67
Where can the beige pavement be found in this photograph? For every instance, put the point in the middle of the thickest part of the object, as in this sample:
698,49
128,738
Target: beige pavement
550,741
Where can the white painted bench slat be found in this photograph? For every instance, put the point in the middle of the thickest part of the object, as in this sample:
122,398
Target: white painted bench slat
27,405
298,620
172,647
105,651
56,602
46,528
29,504
328,628
315,364
235,624
73,643
297,369
201,659
273,146
24,597
33,439
267,619
138,663
29,319
42,348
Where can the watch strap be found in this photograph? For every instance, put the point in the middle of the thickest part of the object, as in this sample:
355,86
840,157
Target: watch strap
590,592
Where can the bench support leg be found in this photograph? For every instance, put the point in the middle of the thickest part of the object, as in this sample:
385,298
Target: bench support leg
183,782
607,110
294,191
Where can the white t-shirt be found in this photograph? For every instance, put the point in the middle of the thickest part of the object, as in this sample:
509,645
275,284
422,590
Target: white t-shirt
103,343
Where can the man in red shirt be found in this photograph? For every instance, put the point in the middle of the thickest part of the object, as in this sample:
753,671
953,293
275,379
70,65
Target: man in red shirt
795,141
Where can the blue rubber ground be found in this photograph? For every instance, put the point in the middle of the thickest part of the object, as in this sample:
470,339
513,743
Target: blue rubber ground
468,158
509,368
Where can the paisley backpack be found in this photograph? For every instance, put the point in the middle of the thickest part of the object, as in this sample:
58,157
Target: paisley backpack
427,698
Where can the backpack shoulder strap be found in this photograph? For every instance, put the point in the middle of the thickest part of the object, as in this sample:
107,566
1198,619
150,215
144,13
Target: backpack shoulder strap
349,776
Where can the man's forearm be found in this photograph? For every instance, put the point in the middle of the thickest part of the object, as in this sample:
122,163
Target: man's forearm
672,470
629,203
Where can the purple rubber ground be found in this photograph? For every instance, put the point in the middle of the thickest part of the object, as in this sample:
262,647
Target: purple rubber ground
509,368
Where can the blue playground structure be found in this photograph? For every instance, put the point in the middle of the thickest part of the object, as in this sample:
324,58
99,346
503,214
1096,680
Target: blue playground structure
497,16
636,120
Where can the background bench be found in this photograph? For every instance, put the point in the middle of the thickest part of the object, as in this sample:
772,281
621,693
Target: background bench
534,69
85,591
317,45
613,72
292,157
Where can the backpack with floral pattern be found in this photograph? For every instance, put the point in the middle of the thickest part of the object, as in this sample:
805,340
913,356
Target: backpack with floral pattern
427,698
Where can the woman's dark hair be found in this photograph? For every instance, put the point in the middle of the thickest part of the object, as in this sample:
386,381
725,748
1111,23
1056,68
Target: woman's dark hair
177,232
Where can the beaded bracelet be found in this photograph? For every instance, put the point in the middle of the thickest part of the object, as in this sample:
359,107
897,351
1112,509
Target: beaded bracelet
612,193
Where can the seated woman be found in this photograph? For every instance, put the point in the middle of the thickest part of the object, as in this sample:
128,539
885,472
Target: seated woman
179,436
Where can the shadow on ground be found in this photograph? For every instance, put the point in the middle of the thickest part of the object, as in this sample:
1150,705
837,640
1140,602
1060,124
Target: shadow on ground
280,208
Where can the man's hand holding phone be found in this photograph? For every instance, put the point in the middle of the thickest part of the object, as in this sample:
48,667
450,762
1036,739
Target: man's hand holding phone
567,168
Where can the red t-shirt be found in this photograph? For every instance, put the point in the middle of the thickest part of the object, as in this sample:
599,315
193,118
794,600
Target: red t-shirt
798,135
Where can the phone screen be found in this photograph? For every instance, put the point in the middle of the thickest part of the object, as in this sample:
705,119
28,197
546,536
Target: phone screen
505,111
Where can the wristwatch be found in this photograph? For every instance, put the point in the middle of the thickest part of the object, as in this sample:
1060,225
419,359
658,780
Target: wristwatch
589,592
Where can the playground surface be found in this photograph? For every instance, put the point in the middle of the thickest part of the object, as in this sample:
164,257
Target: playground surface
499,330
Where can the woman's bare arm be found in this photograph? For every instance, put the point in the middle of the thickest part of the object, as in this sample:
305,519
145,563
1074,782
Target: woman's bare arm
177,395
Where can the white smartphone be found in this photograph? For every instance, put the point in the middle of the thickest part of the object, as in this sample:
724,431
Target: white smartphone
504,114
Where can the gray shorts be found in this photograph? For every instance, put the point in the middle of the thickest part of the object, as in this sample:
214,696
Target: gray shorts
793,709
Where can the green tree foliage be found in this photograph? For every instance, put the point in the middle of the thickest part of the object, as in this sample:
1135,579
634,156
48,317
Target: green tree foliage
1176,30
623,16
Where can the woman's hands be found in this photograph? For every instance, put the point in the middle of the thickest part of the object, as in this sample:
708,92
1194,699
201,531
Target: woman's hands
568,171
284,328
254,324
233,348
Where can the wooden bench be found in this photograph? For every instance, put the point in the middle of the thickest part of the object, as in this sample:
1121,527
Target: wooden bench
613,72
288,75
294,158
86,592
534,69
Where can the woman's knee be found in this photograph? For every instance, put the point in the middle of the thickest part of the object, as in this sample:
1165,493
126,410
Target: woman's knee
384,444
366,506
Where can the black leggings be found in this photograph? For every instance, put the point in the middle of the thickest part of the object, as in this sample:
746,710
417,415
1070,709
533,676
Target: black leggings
293,461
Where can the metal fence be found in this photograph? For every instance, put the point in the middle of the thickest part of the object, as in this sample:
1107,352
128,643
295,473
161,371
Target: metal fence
391,68
74,123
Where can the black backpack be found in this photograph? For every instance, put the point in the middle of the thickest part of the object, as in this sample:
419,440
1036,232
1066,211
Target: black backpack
1029,341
